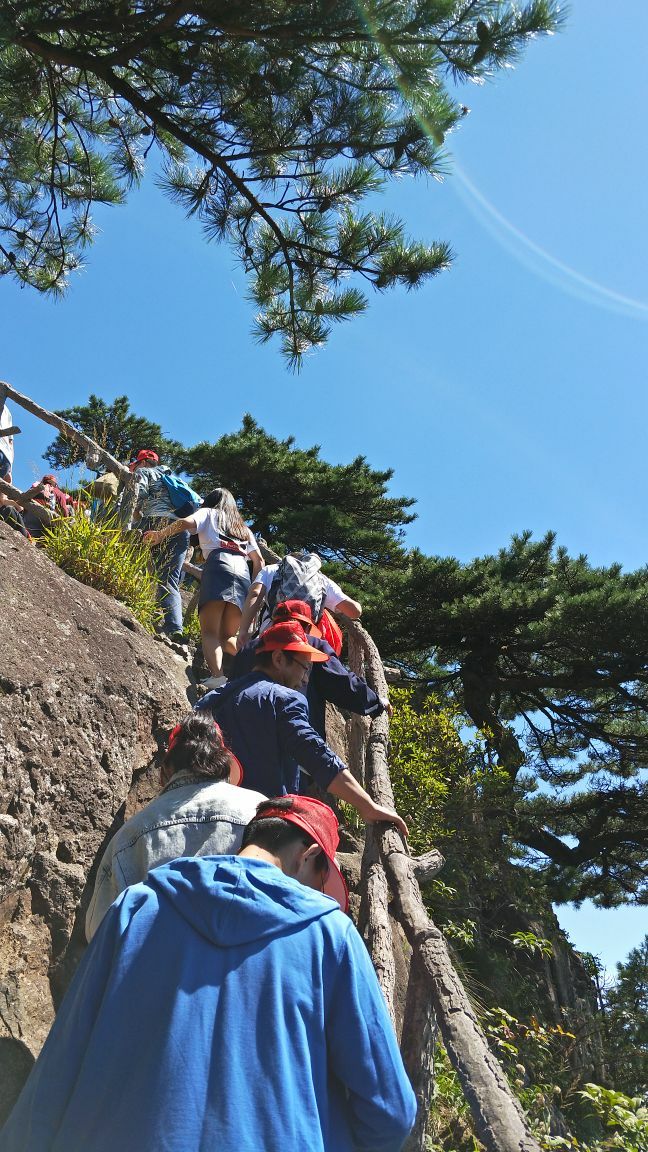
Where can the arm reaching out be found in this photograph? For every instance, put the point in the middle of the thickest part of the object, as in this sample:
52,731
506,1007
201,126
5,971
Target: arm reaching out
346,787
254,602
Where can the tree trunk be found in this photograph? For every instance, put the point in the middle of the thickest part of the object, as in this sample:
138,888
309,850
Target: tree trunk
498,1117
417,1049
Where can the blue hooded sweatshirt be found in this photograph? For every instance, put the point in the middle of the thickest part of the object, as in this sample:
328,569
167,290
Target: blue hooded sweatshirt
221,1007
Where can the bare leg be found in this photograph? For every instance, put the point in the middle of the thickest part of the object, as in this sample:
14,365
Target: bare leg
229,627
210,617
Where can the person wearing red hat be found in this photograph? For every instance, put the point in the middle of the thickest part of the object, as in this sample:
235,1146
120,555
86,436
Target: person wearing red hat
264,717
226,1002
201,811
154,510
329,681
228,547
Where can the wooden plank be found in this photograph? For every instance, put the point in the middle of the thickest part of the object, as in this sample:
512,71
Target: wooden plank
90,447
22,498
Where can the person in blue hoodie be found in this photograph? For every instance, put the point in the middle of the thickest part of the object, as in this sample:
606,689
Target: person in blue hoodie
226,1003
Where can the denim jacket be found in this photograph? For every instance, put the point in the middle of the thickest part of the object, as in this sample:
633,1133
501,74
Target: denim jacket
191,817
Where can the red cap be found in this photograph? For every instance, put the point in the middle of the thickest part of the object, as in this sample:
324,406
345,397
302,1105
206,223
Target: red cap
289,637
145,455
235,766
320,822
296,610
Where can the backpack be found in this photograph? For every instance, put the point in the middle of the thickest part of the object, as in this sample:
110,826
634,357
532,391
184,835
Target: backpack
183,498
331,631
299,578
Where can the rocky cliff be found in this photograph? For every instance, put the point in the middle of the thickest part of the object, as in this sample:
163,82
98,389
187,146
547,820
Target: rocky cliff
86,698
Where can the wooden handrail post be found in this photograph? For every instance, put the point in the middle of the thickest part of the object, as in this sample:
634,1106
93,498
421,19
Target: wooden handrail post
499,1120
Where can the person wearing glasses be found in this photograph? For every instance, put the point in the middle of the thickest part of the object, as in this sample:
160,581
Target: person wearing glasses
265,722
330,680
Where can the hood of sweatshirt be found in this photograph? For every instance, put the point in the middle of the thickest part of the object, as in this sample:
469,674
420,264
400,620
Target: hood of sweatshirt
235,900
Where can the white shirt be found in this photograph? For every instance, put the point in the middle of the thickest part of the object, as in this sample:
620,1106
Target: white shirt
334,594
206,521
6,442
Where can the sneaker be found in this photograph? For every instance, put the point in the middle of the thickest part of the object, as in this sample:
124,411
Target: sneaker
214,682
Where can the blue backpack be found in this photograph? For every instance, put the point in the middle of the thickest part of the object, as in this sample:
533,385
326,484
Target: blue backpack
182,497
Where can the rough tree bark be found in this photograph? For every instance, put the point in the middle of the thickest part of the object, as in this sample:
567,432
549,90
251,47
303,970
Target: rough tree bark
499,1121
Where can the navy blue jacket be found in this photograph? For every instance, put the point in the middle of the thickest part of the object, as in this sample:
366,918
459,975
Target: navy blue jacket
330,681
267,727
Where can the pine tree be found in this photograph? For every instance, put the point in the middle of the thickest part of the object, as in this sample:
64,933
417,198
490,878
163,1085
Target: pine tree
294,499
114,427
272,119
547,657
626,1007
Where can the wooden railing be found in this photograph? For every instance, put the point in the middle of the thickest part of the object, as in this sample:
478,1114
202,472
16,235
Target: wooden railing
390,884
95,455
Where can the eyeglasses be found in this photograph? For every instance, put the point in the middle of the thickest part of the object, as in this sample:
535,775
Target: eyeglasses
294,660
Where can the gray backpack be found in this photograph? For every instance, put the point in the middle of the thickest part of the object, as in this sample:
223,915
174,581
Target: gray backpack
299,577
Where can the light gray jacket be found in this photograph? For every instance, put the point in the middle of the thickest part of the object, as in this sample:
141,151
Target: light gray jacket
190,817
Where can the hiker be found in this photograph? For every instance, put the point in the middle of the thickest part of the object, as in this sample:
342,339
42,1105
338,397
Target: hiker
264,718
41,511
227,544
296,577
329,680
201,811
225,1003
10,511
59,501
155,508
6,445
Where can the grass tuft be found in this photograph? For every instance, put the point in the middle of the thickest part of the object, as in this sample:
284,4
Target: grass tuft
99,553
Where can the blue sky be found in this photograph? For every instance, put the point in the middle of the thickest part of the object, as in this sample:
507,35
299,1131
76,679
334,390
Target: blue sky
507,394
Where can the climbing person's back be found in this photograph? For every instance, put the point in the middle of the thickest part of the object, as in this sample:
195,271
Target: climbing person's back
225,1004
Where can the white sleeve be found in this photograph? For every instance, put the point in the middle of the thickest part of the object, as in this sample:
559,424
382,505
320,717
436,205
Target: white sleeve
252,545
334,594
200,518
266,576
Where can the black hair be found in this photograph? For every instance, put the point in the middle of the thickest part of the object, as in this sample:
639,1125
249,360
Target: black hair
273,833
264,659
229,518
199,749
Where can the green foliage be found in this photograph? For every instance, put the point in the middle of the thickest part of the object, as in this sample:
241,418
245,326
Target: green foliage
532,944
547,657
294,499
430,768
113,427
626,1116
99,553
273,120
626,1022
191,629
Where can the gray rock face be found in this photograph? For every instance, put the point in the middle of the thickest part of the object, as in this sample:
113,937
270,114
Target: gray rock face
86,699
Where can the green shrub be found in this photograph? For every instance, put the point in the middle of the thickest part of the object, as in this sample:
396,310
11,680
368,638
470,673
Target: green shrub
101,554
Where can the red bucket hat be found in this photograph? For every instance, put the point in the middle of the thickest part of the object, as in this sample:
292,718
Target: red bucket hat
320,822
296,610
235,766
289,637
